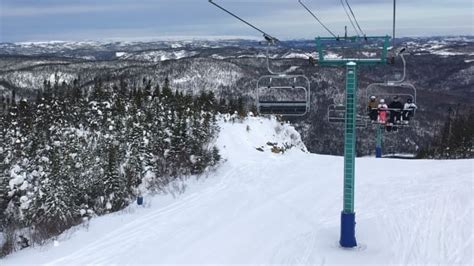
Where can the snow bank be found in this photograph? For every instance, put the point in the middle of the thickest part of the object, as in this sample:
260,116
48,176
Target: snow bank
256,136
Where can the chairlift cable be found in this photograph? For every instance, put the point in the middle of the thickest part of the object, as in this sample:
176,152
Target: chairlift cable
317,19
355,19
267,36
350,19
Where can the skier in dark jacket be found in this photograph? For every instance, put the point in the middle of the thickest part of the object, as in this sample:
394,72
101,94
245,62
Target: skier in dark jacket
372,108
395,108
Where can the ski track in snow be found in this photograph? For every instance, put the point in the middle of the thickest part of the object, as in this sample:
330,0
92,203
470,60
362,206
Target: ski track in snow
263,208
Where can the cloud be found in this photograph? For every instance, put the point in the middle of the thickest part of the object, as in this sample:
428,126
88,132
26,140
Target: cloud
25,20
66,9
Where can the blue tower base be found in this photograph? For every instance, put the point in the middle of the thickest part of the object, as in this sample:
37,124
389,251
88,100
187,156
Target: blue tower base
348,223
378,152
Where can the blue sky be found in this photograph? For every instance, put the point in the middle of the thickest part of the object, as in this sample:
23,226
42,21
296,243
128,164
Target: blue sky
46,20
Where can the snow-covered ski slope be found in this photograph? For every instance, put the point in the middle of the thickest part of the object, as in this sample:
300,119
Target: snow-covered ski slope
267,208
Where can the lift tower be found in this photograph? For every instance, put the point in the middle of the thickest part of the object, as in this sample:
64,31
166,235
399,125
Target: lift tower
348,214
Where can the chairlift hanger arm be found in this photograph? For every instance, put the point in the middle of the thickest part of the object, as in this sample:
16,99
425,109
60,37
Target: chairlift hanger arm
270,70
402,79
267,36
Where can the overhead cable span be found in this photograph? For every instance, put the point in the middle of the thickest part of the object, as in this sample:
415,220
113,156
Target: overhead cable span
355,19
267,36
317,19
350,19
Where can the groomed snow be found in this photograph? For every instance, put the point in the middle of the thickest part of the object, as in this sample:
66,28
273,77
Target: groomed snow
266,208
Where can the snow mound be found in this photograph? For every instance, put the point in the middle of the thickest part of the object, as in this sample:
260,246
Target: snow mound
239,138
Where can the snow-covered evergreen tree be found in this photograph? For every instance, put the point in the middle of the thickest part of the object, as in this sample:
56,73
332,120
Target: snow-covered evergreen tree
58,208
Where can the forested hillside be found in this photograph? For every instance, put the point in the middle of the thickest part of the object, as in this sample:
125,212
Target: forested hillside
73,153
441,68
455,139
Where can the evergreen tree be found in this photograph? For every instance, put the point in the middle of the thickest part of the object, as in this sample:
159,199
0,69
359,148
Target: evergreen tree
134,168
58,209
156,91
114,183
240,107
4,199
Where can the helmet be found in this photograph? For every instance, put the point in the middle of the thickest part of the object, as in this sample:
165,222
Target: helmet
382,101
372,97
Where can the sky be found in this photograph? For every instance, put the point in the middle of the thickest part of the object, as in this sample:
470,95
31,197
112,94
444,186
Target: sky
142,20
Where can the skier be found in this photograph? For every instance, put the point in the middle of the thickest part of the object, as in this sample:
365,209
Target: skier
395,110
382,110
408,110
372,107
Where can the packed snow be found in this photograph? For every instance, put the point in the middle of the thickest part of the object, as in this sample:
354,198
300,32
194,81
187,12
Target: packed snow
262,207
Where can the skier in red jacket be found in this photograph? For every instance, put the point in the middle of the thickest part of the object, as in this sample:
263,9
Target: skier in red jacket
383,109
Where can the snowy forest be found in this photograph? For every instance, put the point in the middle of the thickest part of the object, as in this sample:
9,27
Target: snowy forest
76,153
454,139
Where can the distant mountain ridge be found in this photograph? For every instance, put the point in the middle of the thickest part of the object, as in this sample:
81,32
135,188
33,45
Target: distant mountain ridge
106,50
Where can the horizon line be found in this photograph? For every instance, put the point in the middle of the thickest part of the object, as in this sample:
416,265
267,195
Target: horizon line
202,38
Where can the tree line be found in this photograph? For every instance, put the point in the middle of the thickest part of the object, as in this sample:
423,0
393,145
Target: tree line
75,153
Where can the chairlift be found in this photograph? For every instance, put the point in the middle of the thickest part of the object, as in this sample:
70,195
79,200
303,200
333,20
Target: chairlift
337,115
286,95
280,93
404,91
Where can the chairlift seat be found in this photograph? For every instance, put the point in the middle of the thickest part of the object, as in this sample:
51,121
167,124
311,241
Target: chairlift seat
283,108
290,96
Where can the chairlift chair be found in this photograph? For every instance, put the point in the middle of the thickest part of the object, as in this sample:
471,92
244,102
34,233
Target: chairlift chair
404,90
285,95
389,90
